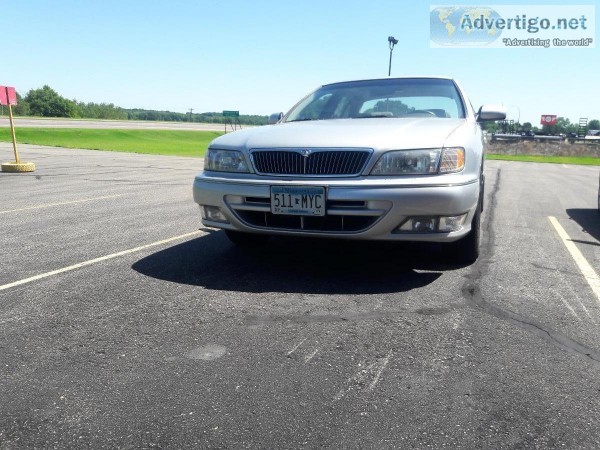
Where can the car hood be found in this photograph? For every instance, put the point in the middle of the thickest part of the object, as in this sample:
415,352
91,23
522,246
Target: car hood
375,133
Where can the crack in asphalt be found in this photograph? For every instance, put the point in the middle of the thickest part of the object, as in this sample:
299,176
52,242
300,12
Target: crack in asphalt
474,298
555,269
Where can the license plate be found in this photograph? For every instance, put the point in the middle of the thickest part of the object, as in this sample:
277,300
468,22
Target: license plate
298,200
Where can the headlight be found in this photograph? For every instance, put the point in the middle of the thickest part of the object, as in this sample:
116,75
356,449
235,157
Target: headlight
453,160
420,162
225,161
407,162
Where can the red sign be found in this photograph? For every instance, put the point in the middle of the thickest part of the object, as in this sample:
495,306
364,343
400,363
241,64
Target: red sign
8,95
12,96
548,120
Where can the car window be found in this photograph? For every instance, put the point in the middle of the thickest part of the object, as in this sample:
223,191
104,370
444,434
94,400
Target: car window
399,107
315,107
382,98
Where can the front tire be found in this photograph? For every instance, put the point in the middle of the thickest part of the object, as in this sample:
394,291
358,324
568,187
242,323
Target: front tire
466,250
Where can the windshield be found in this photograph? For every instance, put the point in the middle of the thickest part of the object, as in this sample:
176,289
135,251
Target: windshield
408,97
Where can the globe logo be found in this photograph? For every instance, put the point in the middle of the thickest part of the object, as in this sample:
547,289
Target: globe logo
463,26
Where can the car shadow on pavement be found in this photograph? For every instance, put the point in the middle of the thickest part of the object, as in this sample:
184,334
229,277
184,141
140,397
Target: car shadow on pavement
291,265
589,221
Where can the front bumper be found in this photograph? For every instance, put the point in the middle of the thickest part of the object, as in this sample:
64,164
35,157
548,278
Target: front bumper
357,209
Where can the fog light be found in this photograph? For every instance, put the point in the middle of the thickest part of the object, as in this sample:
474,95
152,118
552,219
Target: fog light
452,223
213,213
419,225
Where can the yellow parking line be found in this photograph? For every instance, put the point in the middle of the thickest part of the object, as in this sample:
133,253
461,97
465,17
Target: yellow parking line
586,269
49,205
97,260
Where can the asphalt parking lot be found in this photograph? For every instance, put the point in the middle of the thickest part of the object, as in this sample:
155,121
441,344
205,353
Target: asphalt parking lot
126,324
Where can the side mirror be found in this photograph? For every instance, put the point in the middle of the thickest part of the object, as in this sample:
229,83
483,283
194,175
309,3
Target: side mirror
274,118
491,112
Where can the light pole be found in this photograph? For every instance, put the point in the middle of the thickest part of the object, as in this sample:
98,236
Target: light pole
392,41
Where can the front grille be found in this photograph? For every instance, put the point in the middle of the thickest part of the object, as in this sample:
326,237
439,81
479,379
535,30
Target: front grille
310,162
330,224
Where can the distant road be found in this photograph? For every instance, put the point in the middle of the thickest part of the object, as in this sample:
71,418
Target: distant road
112,124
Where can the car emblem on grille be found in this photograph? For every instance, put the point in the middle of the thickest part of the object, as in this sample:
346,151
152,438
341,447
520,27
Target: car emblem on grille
305,153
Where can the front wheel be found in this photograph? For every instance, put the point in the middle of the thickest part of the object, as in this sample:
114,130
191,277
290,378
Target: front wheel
466,250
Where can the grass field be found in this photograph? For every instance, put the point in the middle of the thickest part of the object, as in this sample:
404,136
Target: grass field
155,142
581,160
183,143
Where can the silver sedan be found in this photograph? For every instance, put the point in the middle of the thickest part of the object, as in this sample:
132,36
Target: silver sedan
386,159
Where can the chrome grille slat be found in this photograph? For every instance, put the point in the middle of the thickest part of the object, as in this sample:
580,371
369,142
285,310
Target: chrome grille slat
354,159
337,161
344,162
315,163
332,163
349,162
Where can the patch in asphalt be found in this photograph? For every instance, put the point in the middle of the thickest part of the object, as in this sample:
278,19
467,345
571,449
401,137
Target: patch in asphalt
208,352
253,320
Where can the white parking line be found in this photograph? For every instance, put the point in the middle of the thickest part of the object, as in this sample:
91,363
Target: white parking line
311,356
586,269
49,205
97,260
296,347
371,373
378,374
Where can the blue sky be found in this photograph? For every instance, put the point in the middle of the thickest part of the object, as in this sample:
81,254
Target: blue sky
260,57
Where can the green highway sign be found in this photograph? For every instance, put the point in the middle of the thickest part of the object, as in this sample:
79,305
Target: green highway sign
231,113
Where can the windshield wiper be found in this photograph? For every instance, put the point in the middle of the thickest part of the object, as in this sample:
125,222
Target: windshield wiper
374,116
301,120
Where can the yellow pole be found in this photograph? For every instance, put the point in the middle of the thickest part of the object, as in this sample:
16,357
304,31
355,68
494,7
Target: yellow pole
12,130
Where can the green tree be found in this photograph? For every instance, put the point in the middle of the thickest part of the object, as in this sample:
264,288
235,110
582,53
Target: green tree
21,108
490,127
99,111
594,124
563,126
527,126
396,107
46,102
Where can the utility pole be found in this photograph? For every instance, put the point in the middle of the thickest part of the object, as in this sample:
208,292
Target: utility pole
191,109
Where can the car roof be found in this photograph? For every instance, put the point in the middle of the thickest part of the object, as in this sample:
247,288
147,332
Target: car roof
422,77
